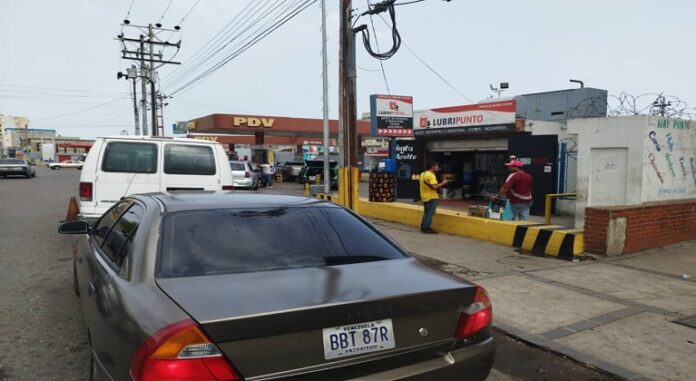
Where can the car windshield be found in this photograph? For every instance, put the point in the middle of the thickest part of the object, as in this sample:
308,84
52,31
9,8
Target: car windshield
11,161
207,242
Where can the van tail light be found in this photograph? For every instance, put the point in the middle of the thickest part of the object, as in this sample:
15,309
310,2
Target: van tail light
86,191
247,174
477,317
181,352
228,187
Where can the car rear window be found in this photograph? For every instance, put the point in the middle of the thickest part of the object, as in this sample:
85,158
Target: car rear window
238,166
130,157
183,159
11,161
250,240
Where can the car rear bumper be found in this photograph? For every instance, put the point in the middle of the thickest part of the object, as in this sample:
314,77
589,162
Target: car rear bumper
473,362
14,172
243,183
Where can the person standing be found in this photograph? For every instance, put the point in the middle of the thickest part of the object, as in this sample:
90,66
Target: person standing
268,171
518,188
428,193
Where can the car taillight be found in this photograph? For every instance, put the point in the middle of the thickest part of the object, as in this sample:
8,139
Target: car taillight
476,317
247,174
181,352
86,192
227,187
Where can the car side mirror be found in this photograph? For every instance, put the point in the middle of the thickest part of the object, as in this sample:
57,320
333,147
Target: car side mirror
74,227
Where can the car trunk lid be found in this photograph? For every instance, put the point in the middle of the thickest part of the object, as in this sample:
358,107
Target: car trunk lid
294,312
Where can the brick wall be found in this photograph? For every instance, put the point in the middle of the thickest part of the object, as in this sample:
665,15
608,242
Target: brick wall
646,226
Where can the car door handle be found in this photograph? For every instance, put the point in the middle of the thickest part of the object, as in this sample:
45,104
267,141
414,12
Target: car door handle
91,289
184,189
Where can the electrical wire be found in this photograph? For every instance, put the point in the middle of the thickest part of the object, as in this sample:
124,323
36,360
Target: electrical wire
388,6
229,37
204,52
381,65
165,11
431,68
260,33
409,2
189,12
80,111
255,38
61,89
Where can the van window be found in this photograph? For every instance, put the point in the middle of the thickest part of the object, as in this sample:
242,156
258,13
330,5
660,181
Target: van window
181,159
130,157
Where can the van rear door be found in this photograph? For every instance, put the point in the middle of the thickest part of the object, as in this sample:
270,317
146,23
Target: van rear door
190,166
126,167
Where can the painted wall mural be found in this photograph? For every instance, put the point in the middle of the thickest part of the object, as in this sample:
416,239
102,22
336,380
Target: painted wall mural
670,160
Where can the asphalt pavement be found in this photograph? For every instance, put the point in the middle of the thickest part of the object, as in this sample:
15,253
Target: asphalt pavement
42,332
42,335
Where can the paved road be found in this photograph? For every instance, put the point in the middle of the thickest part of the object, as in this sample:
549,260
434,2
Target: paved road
42,335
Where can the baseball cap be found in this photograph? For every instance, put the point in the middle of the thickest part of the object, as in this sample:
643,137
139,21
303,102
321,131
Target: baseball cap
514,163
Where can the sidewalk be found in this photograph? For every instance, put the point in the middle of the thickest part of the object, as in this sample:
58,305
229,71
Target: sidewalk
614,314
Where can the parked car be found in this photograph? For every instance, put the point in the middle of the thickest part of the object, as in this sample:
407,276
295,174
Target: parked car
315,168
122,165
292,170
202,286
243,175
66,164
17,167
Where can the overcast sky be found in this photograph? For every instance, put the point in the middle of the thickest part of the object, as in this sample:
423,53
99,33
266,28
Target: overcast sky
632,46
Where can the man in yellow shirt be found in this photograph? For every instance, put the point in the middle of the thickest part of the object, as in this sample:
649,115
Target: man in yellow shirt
429,196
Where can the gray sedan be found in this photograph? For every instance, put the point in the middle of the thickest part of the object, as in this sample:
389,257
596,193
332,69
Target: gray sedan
241,286
17,167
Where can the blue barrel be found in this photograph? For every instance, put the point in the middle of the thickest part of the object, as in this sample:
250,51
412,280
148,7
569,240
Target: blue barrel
387,166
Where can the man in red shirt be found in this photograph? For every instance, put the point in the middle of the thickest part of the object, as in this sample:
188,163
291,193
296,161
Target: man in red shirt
518,187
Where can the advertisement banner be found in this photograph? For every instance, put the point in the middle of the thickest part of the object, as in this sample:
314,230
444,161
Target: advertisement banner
391,115
670,160
493,117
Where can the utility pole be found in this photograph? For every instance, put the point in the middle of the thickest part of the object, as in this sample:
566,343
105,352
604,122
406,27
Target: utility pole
347,108
153,92
148,35
144,74
132,74
325,99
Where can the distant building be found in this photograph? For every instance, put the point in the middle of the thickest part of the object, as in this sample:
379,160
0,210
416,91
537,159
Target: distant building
9,121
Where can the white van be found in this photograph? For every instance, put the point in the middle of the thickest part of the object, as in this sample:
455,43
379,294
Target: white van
119,166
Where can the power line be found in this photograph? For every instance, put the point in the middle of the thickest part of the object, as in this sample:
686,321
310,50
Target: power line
381,65
431,68
80,111
189,12
165,11
61,89
213,46
256,38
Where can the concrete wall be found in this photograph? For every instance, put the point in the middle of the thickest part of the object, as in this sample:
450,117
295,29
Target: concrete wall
633,160
670,160
610,162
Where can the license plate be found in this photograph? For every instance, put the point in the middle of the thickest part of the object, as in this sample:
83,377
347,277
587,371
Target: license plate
355,339
312,178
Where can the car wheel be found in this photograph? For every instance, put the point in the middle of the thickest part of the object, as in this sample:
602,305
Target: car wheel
79,168
33,174
56,167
